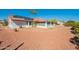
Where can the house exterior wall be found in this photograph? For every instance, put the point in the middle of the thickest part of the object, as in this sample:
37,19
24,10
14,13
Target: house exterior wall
41,25
45,25
17,24
12,25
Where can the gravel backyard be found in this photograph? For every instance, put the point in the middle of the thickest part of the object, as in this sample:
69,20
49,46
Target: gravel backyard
37,39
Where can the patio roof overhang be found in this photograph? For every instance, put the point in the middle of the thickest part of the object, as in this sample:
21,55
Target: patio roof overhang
39,20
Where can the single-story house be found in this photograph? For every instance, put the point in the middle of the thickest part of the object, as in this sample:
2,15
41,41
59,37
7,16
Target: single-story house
19,22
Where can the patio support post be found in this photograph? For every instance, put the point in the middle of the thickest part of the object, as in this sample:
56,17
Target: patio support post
28,23
45,24
50,24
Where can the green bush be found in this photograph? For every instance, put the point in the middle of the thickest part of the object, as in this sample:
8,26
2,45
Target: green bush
70,23
74,26
77,35
76,30
5,22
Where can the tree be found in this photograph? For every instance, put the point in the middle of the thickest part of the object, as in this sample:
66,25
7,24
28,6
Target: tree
5,22
53,20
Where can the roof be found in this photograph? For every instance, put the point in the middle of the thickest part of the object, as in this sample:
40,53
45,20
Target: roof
23,17
20,18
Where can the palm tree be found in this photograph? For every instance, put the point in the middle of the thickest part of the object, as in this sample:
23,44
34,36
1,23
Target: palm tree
53,21
33,11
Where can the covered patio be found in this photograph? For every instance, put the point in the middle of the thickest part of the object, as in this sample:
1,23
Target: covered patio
42,23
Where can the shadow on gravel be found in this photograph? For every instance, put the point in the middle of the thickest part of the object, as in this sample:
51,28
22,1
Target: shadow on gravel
19,46
75,42
1,42
4,48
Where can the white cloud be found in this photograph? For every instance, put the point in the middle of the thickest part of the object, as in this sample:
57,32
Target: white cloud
33,4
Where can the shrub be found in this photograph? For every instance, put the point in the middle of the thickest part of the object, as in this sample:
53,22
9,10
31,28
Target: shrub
76,30
77,35
75,40
70,23
74,26
5,22
16,30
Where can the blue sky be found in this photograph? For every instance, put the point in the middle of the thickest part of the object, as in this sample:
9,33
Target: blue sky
60,14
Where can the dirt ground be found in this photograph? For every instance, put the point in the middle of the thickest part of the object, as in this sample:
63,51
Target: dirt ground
37,39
